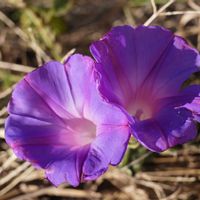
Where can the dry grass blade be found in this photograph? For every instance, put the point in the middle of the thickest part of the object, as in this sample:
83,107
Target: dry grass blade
193,5
1,133
14,173
24,36
136,161
198,38
68,54
15,67
155,15
6,20
36,175
187,12
129,18
156,187
154,6
157,178
3,111
2,121
178,172
52,191
8,162
173,196
7,92
17,180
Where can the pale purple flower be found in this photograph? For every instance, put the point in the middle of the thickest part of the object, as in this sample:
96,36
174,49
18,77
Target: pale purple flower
58,121
142,70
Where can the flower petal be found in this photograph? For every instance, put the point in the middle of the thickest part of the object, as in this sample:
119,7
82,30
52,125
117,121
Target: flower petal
88,100
68,169
189,98
176,66
29,137
26,102
144,59
51,84
194,105
108,148
169,128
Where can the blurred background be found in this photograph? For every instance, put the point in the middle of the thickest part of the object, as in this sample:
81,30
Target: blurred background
35,31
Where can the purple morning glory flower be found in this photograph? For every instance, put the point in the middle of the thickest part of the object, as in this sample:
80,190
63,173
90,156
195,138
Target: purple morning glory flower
58,121
142,70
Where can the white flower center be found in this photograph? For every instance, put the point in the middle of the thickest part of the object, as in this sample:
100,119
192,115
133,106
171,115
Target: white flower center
83,130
